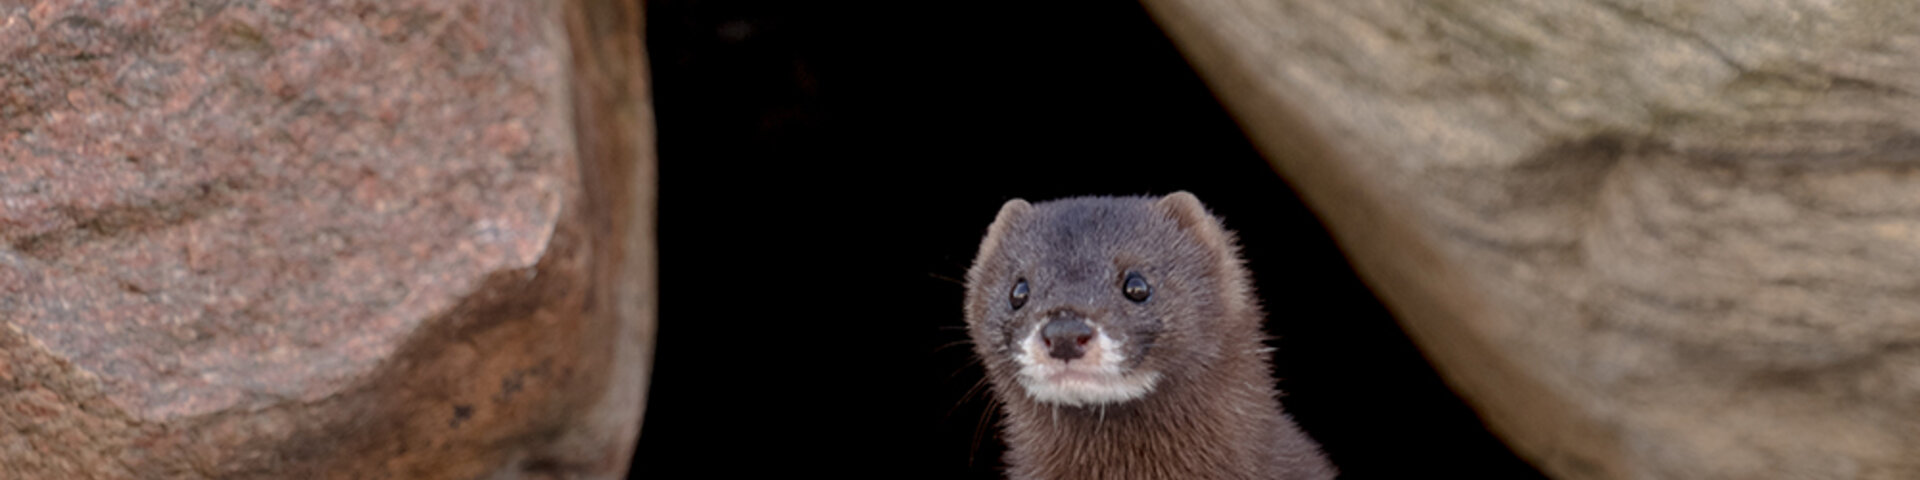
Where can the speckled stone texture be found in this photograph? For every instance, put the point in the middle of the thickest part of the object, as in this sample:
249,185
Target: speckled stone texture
1645,239
329,239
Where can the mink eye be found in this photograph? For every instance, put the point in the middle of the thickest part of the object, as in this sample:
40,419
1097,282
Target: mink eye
1136,288
1018,296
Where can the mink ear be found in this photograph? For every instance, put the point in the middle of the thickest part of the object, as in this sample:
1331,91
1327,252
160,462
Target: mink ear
1009,212
1185,209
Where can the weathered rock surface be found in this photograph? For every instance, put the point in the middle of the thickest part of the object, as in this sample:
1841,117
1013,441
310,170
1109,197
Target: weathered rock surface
1645,239
342,239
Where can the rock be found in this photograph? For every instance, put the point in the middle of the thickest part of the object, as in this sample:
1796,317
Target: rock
1643,239
347,239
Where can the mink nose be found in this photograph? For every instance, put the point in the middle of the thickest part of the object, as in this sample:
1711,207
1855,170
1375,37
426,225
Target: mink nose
1066,338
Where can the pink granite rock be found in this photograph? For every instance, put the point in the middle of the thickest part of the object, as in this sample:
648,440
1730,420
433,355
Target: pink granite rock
347,239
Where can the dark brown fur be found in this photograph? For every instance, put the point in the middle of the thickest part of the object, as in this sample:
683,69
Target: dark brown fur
1213,414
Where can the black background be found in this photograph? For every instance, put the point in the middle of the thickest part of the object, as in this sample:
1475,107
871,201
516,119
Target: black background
827,170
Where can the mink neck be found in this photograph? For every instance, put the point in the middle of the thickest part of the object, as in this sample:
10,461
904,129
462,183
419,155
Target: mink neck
1226,416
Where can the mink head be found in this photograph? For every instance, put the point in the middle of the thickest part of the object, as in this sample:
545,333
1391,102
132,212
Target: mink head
1097,301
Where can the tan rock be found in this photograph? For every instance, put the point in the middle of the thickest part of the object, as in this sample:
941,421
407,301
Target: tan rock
1643,239
344,240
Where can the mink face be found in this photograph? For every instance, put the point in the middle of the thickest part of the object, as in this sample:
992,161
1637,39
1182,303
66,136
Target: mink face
1138,306
1098,301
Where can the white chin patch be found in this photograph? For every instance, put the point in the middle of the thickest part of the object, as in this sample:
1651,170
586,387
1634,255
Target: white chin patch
1093,379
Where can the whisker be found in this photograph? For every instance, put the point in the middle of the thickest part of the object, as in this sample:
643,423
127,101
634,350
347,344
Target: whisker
980,428
951,345
947,279
977,387
970,363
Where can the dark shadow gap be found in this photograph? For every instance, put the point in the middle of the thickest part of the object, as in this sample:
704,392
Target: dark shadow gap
827,170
